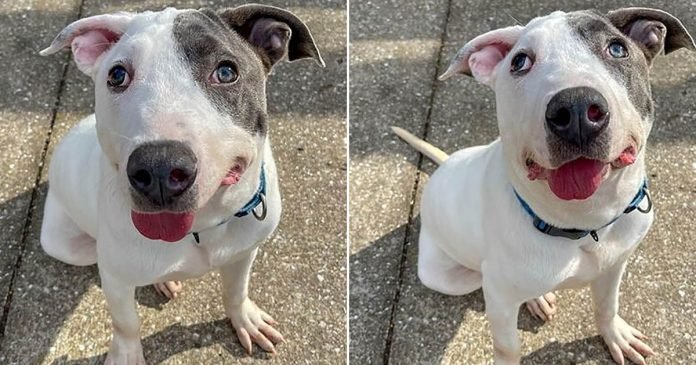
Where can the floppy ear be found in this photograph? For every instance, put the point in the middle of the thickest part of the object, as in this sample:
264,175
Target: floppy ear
653,30
90,38
480,57
274,32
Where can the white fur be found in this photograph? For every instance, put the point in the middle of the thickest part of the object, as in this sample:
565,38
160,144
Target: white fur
474,232
88,199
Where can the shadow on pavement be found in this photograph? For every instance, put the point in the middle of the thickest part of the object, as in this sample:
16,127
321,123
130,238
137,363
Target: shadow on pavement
55,288
549,353
180,338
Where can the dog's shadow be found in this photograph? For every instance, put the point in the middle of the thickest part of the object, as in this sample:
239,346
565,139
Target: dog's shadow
147,296
180,338
588,349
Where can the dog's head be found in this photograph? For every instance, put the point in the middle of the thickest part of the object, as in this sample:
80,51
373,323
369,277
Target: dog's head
181,101
573,92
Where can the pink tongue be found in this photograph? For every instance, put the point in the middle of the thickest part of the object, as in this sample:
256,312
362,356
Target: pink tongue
170,227
577,179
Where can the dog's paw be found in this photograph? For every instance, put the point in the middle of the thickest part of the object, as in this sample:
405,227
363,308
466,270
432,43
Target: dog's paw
624,340
125,353
169,289
254,326
544,307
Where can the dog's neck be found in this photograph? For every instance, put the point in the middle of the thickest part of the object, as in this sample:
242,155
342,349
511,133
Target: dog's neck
607,203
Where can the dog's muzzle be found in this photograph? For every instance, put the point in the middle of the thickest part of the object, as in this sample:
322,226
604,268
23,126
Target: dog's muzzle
162,171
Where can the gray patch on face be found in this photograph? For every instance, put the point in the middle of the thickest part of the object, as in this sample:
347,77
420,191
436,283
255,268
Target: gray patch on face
205,42
561,151
597,32
186,202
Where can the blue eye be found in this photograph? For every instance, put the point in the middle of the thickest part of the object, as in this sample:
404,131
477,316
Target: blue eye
617,50
521,64
118,77
225,74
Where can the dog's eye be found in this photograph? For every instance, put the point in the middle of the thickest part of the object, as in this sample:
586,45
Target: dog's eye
118,77
226,73
521,64
617,50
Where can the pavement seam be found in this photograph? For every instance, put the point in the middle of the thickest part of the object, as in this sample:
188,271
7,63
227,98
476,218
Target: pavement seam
35,193
416,183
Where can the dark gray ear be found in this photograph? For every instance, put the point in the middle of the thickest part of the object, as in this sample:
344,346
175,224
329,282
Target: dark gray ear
275,32
652,29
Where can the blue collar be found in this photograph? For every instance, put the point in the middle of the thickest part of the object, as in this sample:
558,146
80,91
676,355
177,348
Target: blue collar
259,198
576,234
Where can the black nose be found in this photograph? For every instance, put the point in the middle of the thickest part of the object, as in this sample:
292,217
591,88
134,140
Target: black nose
162,170
577,115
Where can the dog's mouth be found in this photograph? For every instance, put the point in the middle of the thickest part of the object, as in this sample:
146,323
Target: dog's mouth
174,226
579,179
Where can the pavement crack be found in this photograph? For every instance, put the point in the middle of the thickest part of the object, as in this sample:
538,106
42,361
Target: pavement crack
26,229
414,192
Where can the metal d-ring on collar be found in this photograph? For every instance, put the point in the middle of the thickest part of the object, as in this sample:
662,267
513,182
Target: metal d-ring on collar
264,210
576,234
649,208
259,198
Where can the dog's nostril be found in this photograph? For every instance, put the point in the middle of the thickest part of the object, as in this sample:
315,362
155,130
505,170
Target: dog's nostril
595,113
178,175
560,118
142,178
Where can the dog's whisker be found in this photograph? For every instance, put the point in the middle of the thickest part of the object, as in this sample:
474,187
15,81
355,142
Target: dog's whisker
514,19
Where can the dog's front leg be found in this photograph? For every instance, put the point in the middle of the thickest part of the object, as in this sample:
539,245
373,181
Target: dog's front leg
252,324
620,337
502,311
126,348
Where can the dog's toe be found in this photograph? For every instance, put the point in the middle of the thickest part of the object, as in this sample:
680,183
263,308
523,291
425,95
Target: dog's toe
169,289
624,341
543,307
254,326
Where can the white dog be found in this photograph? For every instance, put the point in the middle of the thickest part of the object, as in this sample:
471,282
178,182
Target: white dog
560,200
173,175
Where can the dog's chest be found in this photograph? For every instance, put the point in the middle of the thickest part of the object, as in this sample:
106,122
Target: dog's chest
213,255
216,250
199,260
594,258
589,262
195,260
